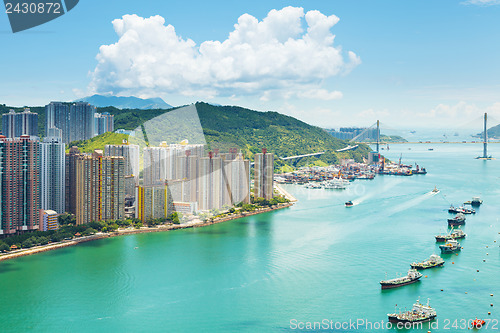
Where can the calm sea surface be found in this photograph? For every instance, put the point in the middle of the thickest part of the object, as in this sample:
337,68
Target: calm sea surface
315,261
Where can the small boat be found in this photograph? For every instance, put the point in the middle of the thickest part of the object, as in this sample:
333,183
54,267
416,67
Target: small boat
433,261
476,202
418,314
412,277
435,190
457,220
313,185
451,246
349,204
336,183
477,323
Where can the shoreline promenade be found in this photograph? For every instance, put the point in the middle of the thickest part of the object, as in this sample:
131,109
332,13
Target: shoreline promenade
130,231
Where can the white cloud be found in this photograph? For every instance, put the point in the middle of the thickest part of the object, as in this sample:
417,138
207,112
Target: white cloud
482,2
461,110
321,94
287,51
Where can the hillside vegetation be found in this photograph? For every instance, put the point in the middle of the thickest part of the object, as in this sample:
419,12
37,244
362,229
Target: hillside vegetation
232,126
98,142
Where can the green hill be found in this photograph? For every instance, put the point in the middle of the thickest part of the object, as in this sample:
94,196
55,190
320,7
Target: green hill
493,132
98,142
233,126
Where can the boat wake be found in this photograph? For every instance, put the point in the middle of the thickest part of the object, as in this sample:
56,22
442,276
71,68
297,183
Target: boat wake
410,203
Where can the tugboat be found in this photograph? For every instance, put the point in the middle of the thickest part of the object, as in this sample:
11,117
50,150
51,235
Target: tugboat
457,220
433,261
418,314
412,277
451,246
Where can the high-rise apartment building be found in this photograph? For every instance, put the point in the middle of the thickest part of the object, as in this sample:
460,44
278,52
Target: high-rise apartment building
52,174
76,121
236,175
81,115
152,202
15,124
211,183
264,175
103,123
70,180
130,154
57,116
100,187
19,184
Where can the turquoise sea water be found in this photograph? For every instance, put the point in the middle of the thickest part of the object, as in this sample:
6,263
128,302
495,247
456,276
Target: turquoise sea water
315,261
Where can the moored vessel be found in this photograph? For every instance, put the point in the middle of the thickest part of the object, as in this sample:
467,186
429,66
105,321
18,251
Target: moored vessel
412,277
433,261
457,220
419,313
476,201
451,246
462,210
454,234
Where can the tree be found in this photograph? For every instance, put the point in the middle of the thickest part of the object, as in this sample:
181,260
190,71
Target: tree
174,217
4,247
89,231
66,219
27,243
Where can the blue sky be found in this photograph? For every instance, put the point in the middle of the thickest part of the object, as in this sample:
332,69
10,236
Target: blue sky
416,63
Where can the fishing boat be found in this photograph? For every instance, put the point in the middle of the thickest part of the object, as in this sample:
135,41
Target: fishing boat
463,210
433,261
451,246
435,190
457,220
418,314
349,204
454,234
412,277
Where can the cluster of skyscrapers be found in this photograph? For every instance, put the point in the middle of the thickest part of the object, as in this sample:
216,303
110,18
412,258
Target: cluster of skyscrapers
39,180
33,179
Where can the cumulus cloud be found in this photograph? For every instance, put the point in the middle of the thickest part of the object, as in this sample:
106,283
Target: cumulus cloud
287,51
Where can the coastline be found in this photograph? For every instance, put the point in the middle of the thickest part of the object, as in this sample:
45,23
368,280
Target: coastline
129,231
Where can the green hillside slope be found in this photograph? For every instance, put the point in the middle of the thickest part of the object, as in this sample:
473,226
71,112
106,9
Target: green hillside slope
232,126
